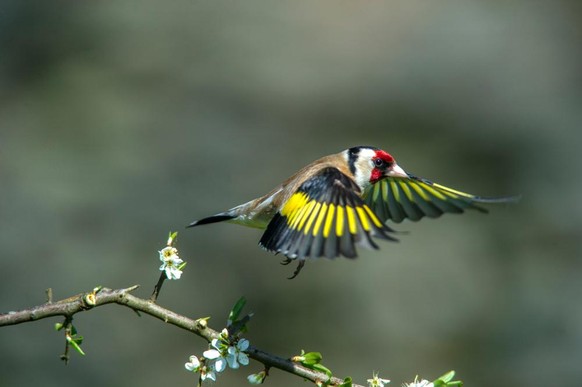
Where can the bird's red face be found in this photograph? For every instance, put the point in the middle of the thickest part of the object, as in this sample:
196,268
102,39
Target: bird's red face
369,165
384,165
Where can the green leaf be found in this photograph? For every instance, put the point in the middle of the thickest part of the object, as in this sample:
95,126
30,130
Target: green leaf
446,380
347,382
448,376
73,330
59,326
236,310
75,344
311,358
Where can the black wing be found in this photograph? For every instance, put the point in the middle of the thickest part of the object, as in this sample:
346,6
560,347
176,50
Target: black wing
325,217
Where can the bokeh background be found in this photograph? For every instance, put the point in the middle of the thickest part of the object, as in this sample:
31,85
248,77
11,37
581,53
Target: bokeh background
121,121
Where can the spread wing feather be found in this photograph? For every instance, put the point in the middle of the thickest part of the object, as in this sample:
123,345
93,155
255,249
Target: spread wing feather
325,217
396,199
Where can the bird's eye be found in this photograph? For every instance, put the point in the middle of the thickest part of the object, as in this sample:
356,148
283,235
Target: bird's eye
379,163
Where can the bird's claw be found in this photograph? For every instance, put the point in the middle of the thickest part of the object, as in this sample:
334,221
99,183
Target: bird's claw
298,269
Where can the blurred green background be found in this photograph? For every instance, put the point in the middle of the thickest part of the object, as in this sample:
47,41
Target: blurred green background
121,121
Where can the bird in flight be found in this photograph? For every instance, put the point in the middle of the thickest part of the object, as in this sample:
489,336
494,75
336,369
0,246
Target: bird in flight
343,200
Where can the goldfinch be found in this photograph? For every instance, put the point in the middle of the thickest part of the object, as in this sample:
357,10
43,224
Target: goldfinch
343,200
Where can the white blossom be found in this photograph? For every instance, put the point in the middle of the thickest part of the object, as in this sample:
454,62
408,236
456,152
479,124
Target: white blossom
236,355
377,382
217,361
206,372
417,383
257,378
171,262
215,355
193,365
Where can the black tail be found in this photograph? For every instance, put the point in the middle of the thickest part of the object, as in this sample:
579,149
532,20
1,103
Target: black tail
211,219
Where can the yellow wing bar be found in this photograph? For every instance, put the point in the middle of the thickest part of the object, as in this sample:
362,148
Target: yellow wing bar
324,218
311,216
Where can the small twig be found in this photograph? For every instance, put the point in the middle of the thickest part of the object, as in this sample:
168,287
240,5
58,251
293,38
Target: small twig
68,324
158,287
49,295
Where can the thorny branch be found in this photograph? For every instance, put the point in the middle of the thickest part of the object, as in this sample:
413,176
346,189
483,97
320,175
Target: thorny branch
103,296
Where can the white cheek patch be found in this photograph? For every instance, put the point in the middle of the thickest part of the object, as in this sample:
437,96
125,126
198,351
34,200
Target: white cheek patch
364,167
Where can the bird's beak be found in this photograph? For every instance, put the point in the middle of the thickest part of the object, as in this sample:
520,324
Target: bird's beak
396,171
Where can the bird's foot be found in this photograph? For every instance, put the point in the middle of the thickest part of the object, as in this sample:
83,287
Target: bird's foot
299,267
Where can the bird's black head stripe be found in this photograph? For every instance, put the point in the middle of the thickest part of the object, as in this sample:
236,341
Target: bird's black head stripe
353,156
